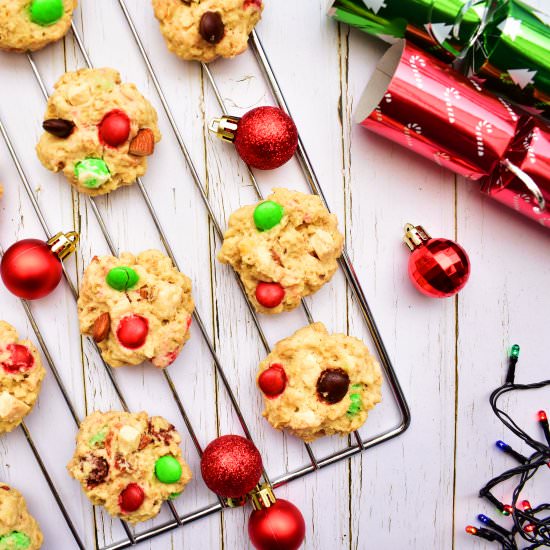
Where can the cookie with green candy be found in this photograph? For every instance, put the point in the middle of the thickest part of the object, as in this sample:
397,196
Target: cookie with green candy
98,131
18,529
29,25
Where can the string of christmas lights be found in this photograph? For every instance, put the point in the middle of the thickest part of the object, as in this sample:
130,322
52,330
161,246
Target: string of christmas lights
532,524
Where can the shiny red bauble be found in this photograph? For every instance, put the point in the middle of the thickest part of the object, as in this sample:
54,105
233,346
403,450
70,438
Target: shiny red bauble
266,138
20,359
132,331
114,129
231,466
270,295
279,527
131,498
30,269
273,380
439,268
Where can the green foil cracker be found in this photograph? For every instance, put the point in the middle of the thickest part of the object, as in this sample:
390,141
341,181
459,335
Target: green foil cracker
513,54
442,27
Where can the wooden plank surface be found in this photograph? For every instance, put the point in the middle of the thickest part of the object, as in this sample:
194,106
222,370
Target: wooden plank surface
417,491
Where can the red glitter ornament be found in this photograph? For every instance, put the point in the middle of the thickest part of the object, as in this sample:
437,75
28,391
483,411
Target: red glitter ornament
265,137
231,466
21,359
31,268
132,331
114,129
437,267
273,380
270,295
131,498
279,527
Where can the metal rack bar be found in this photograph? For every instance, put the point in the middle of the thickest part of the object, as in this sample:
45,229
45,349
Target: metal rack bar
345,263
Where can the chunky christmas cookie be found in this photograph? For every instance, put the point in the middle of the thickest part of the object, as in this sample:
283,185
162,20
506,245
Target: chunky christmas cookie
315,383
28,25
18,529
98,131
129,463
21,374
203,30
136,308
283,248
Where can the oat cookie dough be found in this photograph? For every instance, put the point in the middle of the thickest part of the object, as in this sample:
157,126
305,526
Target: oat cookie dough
98,131
315,383
129,463
28,25
283,248
18,529
21,374
137,308
203,30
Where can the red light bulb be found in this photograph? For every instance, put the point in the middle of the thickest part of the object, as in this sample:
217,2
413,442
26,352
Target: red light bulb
526,505
542,416
471,530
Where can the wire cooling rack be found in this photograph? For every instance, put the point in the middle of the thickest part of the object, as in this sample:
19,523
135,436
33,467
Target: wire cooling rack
134,537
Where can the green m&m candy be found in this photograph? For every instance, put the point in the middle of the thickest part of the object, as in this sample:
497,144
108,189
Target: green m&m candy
122,278
268,214
14,541
98,439
168,469
92,172
46,12
174,496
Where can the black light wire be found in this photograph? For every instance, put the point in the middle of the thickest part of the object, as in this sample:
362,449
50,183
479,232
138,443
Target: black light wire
539,536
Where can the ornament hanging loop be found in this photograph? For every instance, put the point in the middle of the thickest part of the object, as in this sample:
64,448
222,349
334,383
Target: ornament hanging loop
63,244
262,497
225,127
415,236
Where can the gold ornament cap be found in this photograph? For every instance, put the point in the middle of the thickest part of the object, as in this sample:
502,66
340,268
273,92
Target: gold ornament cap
415,236
262,497
63,244
225,127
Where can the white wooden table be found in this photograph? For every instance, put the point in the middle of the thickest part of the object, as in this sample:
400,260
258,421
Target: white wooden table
417,491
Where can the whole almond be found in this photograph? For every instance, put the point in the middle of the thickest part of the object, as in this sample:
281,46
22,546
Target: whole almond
143,144
101,327
59,127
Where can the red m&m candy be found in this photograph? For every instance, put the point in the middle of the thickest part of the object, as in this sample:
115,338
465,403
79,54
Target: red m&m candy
131,498
20,360
114,129
273,380
270,295
132,331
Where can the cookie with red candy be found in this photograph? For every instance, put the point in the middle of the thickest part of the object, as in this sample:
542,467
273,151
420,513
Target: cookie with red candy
129,463
21,374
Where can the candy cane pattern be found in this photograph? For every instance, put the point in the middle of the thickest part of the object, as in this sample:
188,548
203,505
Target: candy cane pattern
407,130
529,145
508,107
481,127
449,94
440,156
415,62
475,85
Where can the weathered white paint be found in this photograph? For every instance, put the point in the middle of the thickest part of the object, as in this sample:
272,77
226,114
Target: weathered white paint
415,492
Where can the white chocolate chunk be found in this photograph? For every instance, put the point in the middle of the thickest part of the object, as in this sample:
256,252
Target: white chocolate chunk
11,407
129,438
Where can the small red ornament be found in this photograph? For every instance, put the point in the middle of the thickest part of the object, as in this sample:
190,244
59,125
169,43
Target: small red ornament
265,137
437,267
281,526
114,129
21,359
231,466
132,331
31,268
273,380
270,295
131,498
